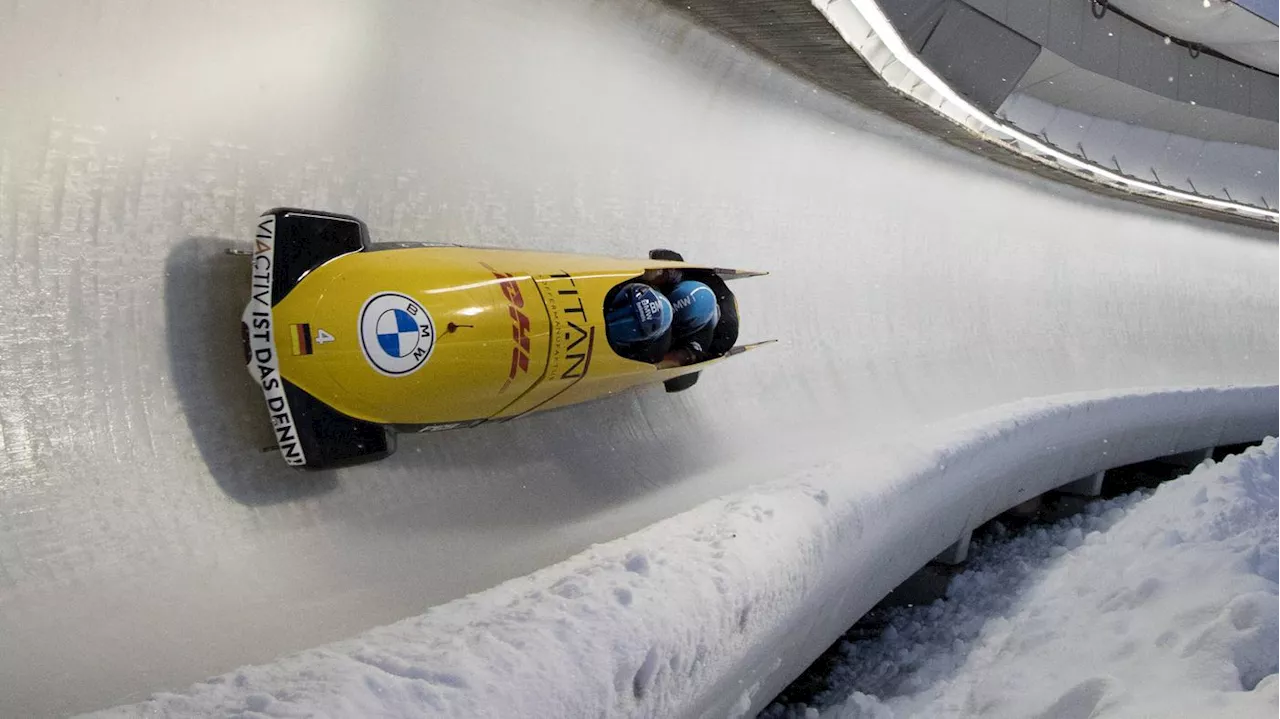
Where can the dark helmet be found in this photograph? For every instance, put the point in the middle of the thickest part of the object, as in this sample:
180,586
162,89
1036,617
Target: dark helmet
695,307
637,313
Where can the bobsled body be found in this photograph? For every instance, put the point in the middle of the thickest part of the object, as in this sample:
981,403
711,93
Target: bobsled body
352,341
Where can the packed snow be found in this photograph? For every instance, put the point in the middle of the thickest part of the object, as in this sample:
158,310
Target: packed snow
711,612
1149,605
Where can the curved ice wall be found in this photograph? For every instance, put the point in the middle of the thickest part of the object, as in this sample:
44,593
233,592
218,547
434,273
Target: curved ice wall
144,541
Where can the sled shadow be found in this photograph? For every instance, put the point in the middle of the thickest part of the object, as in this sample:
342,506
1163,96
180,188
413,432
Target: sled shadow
547,468
205,293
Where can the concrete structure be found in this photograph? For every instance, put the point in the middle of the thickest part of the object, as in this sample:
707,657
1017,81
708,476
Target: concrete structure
798,37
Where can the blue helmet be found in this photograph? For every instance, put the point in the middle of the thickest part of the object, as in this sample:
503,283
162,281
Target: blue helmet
695,306
637,313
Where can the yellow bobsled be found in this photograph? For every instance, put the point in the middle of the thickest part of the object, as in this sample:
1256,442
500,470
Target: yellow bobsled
352,341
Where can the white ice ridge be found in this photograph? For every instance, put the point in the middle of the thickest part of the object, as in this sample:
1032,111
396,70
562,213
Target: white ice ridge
1139,607
714,610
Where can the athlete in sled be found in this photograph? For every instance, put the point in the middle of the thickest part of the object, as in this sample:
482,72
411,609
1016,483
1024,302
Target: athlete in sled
672,317
352,342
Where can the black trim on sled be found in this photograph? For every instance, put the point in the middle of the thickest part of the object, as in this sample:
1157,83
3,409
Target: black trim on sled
331,439
306,239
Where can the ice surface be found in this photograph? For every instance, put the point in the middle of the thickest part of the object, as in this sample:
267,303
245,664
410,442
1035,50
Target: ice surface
145,544
707,612
1154,606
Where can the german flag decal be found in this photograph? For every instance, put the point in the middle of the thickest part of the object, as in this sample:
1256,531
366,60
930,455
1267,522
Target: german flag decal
300,336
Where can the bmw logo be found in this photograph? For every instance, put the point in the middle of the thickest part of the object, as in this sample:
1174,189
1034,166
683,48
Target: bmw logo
396,333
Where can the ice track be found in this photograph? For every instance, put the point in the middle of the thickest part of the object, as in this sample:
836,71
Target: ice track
145,543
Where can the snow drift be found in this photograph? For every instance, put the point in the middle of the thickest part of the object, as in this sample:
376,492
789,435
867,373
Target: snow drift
712,611
1154,604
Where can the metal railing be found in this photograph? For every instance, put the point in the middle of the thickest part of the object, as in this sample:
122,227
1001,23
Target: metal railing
865,28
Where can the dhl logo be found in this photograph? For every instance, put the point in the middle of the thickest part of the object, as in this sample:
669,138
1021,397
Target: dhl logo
519,325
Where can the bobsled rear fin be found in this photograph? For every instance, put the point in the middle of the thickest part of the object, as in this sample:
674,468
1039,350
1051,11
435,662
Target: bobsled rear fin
329,439
749,346
727,274
306,239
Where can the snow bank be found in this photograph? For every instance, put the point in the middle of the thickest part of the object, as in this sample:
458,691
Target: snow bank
714,610
1154,607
